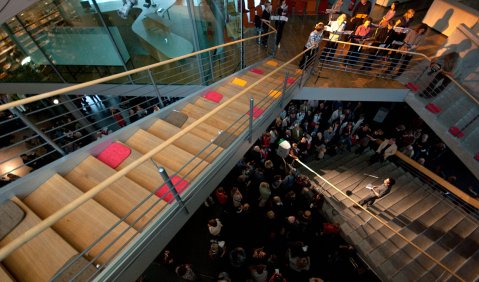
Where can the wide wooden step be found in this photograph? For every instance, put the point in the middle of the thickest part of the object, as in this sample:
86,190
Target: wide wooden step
188,142
174,157
222,120
83,226
120,197
238,107
203,130
40,258
146,174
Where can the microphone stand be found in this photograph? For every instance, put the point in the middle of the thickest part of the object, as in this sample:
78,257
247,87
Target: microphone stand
350,192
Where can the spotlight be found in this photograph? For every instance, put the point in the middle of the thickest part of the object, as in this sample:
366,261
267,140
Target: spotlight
55,101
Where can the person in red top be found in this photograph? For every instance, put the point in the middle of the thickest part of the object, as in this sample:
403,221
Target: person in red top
221,196
360,34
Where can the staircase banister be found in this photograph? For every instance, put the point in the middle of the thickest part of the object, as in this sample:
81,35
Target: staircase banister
69,89
380,48
411,243
439,180
6,250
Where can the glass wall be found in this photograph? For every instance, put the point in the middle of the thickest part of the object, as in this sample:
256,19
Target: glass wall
80,40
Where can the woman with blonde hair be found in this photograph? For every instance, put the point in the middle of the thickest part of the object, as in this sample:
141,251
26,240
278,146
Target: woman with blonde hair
335,30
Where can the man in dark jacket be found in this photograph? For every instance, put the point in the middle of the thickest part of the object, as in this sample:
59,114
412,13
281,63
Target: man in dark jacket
378,192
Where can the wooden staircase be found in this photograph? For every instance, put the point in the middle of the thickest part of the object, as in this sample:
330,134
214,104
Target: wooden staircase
115,216
421,214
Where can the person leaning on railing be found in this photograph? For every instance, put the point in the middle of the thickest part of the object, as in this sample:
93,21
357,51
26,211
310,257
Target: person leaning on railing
444,67
313,43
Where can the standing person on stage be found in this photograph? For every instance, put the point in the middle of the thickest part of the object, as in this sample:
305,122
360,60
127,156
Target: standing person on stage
313,43
413,39
282,12
360,12
335,30
383,37
404,22
264,27
360,34
389,15
378,192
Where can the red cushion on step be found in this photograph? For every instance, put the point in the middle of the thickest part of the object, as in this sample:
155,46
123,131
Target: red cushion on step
413,87
164,191
456,132
291,80
476,157
257,112
213,96
433,108
258,71
114,154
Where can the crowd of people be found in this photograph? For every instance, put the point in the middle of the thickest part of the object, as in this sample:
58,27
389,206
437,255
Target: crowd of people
269,219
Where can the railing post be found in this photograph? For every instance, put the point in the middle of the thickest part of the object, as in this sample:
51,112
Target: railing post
172,188
37,131
285,85
302,71
212,72
156,89
251,109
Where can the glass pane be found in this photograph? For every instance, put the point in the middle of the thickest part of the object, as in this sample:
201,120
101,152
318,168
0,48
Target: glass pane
16,46
149,31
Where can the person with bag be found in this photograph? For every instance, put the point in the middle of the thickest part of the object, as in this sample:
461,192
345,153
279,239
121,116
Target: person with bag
444,68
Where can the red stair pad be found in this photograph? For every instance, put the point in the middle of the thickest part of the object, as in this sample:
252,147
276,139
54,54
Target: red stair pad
456,132
114,154
164,191
291,80
213,96
433,108
257,112
258,71
476,157
413,87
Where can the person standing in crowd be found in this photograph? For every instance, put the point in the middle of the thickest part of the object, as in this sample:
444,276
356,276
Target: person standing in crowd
360,34
413,39
377,192
282,11
359,13
312,44
444,67
387,149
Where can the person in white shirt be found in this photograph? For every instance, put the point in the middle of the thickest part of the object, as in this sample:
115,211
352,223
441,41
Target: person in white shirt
335,30
214,226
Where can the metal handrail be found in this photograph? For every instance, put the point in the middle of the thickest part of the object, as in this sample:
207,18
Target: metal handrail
439,180
417,247
472,97
126,73
53,218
